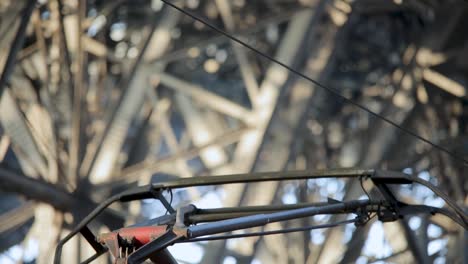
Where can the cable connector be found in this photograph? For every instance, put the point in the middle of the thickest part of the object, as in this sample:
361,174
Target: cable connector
181,217
362,217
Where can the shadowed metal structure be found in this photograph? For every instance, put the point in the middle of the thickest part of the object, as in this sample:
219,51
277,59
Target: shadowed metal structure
100,96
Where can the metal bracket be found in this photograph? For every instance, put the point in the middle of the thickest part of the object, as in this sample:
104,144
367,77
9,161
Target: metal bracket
181,219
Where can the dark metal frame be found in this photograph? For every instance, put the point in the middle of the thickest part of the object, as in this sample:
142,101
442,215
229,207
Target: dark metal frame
179,226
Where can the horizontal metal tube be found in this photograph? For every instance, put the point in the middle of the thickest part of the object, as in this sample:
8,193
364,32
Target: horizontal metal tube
263,176
203,218
218,214
263,219
259,208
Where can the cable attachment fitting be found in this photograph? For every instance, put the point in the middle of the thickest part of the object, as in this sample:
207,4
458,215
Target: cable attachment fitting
387,215
182,213
362,217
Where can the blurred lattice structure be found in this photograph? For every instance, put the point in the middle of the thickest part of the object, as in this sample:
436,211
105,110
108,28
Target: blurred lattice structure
103,95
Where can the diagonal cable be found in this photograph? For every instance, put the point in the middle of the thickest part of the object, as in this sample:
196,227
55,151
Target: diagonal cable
329,89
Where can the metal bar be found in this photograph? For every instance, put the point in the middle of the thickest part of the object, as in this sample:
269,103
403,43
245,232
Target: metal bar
146,191
16,45
209,99
16,217
4,146
272,232
50,194
75,154
263,176
262,208
245,67
91,238
66,50
259,220
22,137
36,189
419,253
204,218
171,140
165,203
202,215
201,129
9,21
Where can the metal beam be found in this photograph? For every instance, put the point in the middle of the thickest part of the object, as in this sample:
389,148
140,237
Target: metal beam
240,53
132,97
48,193
16,128
207,98
16,45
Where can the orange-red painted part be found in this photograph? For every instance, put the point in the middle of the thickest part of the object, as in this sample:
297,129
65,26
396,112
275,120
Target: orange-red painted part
142,234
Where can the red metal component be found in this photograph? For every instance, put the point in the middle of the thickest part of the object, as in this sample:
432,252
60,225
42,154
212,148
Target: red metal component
143,234
126,240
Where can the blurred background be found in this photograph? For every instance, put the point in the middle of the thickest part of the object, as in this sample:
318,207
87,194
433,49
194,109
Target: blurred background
98,96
